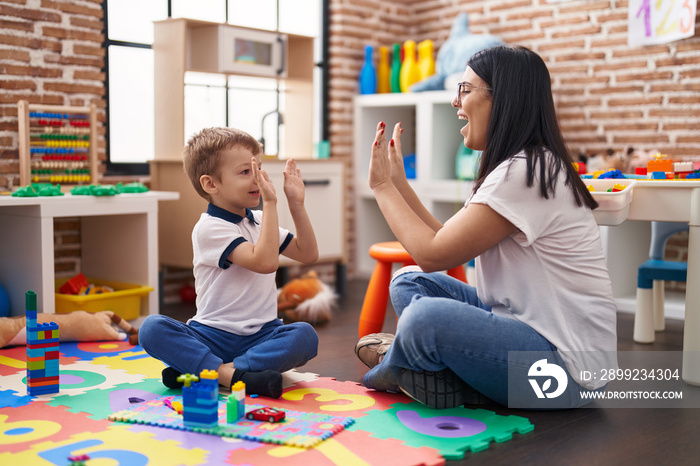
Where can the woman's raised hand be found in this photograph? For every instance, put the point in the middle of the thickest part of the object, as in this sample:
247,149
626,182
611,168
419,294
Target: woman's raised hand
398,172
379,164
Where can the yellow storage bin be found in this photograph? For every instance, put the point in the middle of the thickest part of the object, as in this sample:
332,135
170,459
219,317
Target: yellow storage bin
125,300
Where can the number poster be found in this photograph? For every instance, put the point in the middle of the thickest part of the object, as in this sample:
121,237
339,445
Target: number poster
660,21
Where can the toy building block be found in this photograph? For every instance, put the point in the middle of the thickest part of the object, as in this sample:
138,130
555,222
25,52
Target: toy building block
618,187
200,401
78,460
42,352
660,164
187,379
74,285
682,169
235,405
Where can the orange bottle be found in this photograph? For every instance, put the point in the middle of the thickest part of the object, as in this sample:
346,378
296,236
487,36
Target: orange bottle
383,71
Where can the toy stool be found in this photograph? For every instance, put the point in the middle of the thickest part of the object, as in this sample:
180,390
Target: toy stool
377,296
649,309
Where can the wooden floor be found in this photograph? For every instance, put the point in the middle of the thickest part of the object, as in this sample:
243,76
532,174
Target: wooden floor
581,436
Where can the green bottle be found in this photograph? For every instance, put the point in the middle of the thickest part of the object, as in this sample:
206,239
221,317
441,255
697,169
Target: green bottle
396,69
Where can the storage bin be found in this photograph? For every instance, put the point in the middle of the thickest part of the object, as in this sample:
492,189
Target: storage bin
125,300
613,208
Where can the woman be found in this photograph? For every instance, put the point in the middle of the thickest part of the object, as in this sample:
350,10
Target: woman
542,286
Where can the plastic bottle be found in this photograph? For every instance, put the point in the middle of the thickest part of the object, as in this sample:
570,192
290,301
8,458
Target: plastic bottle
383,72
396,69
368,75
426,61
409,68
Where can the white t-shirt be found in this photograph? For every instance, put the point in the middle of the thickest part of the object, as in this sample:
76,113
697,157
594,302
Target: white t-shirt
230,297
551,273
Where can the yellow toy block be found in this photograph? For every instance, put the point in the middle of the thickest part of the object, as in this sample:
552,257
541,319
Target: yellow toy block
209,374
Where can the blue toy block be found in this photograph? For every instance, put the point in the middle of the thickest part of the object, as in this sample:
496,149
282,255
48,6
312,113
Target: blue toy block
201,401
36,352
44,390
52,365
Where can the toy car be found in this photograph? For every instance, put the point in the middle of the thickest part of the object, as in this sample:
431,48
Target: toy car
266,414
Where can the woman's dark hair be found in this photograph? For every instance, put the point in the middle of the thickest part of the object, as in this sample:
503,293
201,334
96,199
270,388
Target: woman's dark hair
523,118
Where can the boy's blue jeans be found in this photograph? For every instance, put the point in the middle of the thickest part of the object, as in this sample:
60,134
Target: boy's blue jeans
191,348
442,323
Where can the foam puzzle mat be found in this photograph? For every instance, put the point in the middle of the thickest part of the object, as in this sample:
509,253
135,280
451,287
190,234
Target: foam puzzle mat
298,429
98,379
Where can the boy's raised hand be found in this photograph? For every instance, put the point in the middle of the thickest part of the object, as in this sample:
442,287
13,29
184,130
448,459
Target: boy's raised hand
293,183
267,190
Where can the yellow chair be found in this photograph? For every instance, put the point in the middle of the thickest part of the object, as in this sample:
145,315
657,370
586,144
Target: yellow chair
377,295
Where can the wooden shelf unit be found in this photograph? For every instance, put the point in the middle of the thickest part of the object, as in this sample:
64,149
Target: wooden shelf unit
179,48
29,161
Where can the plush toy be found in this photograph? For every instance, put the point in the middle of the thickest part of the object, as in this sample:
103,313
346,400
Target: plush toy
626,161
609,160
453,55
306,299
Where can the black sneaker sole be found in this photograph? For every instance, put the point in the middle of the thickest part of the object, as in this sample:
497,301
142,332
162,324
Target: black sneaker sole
441,390
169,377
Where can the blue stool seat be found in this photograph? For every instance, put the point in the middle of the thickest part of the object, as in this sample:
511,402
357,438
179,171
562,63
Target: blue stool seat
655,269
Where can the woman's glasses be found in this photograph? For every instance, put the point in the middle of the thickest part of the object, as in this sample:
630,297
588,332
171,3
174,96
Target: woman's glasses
464,87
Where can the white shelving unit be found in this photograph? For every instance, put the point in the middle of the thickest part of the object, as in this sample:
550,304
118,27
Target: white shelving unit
431,131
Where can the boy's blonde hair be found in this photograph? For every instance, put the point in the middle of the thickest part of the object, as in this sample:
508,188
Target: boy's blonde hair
202,154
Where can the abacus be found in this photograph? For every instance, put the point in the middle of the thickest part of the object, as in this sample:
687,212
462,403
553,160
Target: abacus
57,144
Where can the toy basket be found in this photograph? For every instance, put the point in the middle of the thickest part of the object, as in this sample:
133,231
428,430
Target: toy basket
613,208
125,300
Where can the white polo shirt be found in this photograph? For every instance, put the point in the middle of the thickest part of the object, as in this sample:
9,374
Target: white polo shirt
551,273
230,297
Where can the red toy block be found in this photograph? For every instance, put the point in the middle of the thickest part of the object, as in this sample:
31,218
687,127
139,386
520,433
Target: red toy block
73,285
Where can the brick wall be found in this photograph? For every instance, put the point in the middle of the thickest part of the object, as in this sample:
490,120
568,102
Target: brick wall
50,53
608,95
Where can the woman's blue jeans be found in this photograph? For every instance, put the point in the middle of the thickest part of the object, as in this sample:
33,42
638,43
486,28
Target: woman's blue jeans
443,324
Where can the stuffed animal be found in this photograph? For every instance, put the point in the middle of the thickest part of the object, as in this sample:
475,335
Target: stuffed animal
454,54
626,161
609,160
306,299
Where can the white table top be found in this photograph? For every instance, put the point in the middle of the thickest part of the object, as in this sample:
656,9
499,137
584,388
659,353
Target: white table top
71,199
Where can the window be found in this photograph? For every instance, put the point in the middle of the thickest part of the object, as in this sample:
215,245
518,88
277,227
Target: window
210,100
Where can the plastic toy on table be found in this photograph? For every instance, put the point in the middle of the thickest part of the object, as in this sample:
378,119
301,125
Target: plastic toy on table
95,190
38,189
134,187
